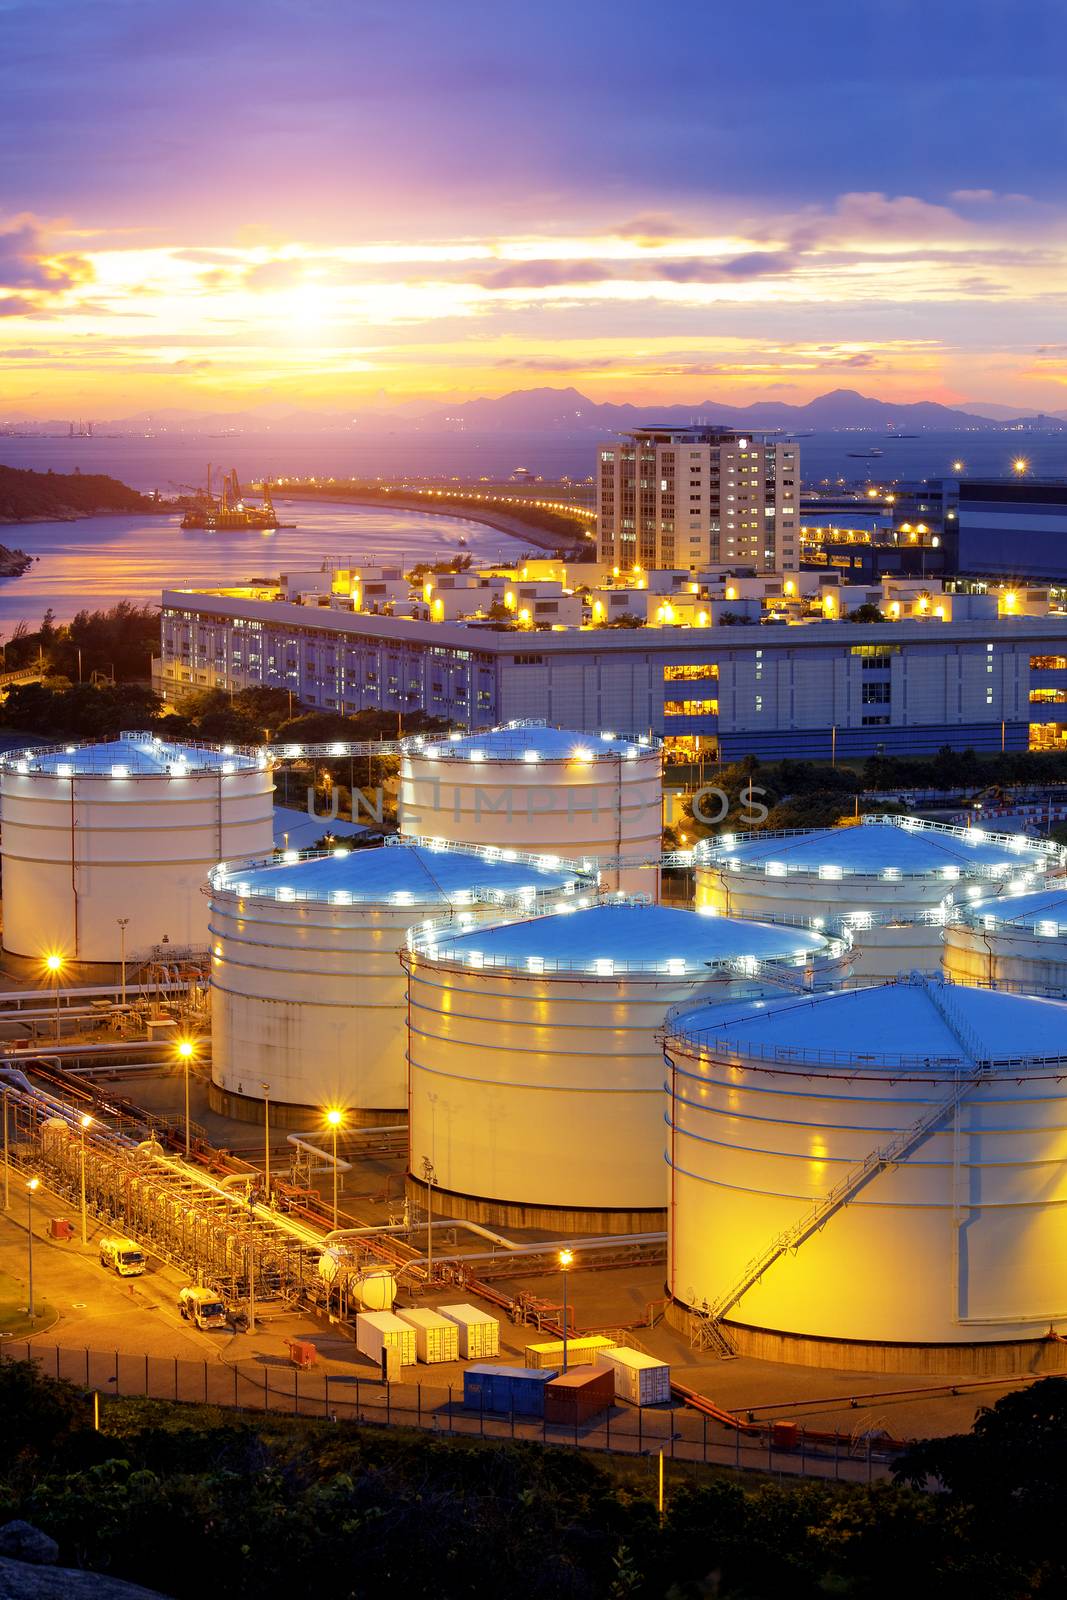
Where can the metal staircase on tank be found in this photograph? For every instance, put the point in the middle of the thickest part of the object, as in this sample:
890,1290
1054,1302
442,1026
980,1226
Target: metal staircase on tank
706,1329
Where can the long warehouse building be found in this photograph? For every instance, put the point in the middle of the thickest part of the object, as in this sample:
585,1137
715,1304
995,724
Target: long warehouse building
810,691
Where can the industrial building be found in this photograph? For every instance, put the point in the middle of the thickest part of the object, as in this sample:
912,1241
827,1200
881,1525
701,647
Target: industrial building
990,527
890,879
819,689
870,1178
1013,941
592,798
106,844
308,998
689,496
536,1078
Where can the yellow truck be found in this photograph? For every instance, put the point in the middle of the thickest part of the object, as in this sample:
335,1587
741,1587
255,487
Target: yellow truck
202,1307
125,1256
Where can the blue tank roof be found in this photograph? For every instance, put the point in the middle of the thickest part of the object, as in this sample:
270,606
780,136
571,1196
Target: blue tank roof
873,845
418,873
1044,906
141,754
512,743
908,1023
635,938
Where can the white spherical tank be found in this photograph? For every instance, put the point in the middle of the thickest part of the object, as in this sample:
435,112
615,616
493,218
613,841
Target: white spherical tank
307,992
536,1079
891,879
878,1167
127,828
1015,941
587,797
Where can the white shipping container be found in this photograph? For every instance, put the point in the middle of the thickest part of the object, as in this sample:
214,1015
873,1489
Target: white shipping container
641,1379
436,1337
378,1330
479,1333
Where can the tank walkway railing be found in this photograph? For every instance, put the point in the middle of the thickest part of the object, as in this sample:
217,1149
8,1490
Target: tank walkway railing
888,1155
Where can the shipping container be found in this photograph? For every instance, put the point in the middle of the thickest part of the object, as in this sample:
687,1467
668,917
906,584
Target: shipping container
574,1397
378,1330
479,1333
513,1390
436,1337
641,1379
581,1352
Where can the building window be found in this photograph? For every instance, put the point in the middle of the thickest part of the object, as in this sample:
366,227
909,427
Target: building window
690,708
877,694
1048,663
691,671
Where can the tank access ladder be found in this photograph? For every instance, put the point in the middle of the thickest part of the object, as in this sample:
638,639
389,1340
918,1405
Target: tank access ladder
889,1155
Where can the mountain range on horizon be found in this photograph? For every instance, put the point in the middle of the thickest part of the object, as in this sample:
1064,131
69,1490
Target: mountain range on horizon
549,410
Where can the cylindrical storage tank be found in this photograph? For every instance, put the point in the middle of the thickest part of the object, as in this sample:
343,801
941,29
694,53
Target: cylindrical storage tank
871,1177
124,829
589,797
1012,941
307,992
536,1076
891,879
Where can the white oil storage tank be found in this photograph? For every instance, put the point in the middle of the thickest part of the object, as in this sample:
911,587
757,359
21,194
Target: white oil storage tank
592,797
308,996
1013,941
870,1177
115,838
536,1080
890,878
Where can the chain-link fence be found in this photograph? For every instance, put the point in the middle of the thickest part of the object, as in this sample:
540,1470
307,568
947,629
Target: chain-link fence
276,1385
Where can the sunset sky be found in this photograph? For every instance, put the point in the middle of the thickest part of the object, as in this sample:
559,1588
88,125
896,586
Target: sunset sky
331,203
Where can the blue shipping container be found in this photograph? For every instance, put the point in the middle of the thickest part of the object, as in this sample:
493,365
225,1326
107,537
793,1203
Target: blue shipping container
509,1389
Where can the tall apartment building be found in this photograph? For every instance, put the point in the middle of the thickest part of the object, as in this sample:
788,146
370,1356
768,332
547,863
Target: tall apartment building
694,497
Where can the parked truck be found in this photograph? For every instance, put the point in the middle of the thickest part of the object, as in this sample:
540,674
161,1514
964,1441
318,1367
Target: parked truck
202,1307
124,1255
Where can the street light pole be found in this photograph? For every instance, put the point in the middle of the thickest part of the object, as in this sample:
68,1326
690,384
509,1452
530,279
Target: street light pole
7,1163
565,1259
123,923
266,1138
86,1122
431,1178
54,965
186,1052
30,1187
334,1119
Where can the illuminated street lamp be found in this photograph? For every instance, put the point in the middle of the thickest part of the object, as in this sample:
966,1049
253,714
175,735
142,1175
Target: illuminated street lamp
54,966
84,1124
186,1052
334,1120
566,1257
957,466
32,1185
1020,466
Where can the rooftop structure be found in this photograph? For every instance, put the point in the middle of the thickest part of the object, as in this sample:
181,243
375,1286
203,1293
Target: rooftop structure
857,1173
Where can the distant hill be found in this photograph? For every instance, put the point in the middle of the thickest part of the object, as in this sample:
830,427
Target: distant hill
548,410
64,496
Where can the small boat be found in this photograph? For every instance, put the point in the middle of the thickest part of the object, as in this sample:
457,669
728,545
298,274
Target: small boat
864,455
